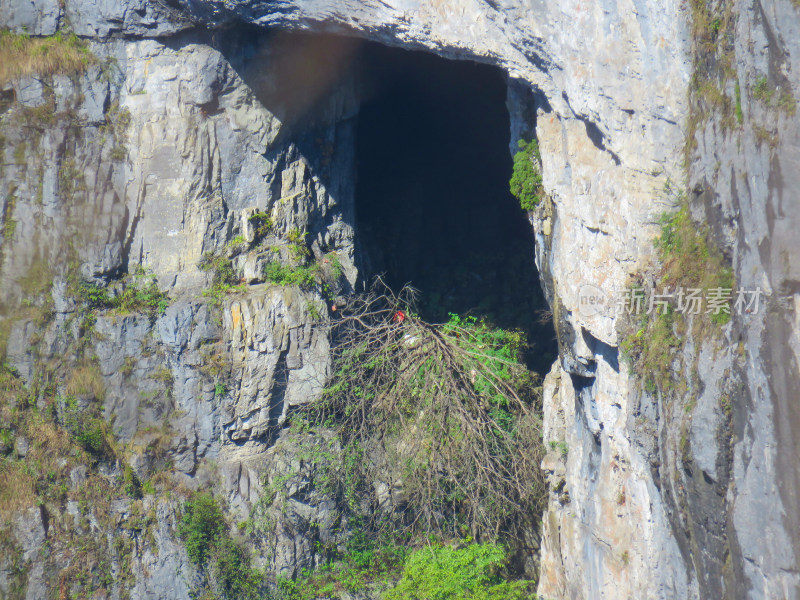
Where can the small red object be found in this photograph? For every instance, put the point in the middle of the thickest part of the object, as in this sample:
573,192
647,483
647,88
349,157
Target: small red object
399,316
333,308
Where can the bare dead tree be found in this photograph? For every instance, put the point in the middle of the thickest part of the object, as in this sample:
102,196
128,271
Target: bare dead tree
445,411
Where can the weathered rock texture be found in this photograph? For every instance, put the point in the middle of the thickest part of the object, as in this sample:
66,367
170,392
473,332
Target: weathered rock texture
651,496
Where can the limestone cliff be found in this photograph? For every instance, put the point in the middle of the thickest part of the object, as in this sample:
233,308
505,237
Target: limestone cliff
184,128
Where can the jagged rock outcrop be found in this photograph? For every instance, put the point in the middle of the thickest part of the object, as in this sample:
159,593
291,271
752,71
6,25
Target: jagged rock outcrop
652,495
150,160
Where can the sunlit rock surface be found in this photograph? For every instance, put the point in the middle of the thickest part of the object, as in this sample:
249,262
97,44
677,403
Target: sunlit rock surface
648,499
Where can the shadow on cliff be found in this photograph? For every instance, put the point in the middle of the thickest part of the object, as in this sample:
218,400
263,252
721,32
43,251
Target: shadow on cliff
431,137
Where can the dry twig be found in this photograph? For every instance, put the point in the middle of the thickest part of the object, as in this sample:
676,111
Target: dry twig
445,411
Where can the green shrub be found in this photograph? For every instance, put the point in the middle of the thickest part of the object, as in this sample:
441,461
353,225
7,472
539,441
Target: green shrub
94,296
762,90
765,93
303,276
653,346
237,242
91,436
224,278
233,578
299,252
787,102
526,180
561,447
336,265
201,526
500,353
224,563
686,257
132,484
738,99
222,268
313,310
470,572
262,225
296,236
465,571
364,564
139,293
88,430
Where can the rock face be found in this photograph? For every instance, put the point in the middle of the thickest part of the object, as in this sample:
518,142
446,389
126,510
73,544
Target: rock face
184,134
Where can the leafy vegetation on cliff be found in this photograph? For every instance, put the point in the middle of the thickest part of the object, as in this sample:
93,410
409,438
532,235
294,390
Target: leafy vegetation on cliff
224,278
56,451
365,563
687,261
304,276
711,95
56,448
138,292
223,562
526,180
451,412
459,570
466,571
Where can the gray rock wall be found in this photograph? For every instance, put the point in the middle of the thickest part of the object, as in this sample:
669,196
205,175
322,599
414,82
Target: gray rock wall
648,499
153,158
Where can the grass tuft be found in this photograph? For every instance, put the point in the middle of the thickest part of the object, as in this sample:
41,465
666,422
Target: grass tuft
86,381
22,55
654,341
17,491
739,113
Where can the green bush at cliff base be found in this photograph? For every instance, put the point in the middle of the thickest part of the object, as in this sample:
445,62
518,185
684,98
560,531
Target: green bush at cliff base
464,570
468,572
365,564
526,180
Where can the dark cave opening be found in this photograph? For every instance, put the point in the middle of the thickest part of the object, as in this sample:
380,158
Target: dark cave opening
432,200
433,207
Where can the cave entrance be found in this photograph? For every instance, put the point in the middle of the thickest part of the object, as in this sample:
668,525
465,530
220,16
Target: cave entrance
433,207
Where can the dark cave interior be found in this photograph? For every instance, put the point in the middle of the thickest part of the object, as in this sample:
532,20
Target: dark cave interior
433,207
